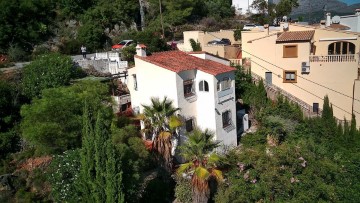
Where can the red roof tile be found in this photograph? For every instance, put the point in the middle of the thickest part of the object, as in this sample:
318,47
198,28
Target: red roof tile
179,61
296,36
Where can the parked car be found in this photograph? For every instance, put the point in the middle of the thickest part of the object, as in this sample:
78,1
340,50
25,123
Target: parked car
223,41
249,26
120,45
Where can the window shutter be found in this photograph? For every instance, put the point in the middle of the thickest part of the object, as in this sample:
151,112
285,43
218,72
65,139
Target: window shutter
206,86
201,85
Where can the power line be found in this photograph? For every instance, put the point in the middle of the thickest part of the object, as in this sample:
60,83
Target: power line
305,78
307,90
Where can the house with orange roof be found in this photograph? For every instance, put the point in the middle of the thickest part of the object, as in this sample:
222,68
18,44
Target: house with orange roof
201,85
306,63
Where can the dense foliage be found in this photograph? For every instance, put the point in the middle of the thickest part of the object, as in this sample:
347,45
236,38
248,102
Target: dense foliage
47,71
52,123
288,156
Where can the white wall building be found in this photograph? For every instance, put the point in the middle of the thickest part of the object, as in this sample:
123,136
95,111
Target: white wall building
352,21
202,88
244,6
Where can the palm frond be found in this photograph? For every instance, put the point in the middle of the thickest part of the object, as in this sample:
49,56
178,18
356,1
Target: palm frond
201,173
213,158
184,167
174,122
217,174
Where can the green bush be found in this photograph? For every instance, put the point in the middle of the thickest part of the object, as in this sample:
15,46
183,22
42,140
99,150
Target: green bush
63,174
40,50
16,53
183,191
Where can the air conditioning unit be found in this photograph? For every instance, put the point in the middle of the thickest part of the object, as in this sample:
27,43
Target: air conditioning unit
305,67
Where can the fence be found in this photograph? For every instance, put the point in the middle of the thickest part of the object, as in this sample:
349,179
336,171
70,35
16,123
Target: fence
334,58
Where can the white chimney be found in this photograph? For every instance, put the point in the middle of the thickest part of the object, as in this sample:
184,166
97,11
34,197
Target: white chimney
328,19
141,50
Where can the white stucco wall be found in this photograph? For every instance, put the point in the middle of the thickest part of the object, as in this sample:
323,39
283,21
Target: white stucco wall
352,21
222,104
152,81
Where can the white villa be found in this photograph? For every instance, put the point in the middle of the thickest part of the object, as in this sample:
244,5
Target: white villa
201,85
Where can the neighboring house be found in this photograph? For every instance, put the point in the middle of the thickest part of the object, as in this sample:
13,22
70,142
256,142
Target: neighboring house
105,62
305,63
352,21
231,52
202,88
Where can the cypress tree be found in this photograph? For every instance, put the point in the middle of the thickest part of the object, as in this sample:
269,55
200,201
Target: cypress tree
101,175
353,130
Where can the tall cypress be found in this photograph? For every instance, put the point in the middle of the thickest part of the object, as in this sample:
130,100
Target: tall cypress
101,175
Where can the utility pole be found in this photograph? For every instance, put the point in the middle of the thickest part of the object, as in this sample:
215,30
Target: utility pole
142,14
161,20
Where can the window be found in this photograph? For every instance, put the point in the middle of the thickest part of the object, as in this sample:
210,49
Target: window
189,125
135,82
316,107
188,88
203,86
290,76
338,48
226,118
224,84
290,51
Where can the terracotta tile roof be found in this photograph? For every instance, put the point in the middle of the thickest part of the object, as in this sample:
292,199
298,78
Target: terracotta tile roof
296,36
179,61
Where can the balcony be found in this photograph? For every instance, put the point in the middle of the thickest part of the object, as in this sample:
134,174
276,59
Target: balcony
333,58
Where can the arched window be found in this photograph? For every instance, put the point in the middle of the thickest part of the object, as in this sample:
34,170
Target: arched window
338,48
203,86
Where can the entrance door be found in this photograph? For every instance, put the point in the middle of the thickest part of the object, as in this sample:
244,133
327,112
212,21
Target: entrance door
268,78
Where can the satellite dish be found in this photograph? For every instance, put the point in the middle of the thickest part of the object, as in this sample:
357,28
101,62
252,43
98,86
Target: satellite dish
285,26
336,19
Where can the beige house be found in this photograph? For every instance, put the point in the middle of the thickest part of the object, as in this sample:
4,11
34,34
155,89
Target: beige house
306,63
231,52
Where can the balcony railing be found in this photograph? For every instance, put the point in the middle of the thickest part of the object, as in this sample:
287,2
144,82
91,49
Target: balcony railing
334,58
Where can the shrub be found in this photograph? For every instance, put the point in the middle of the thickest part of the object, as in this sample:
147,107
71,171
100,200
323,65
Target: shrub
16,53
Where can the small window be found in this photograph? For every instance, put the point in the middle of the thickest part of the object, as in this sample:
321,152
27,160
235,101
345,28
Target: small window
135,82
290,51
224,84
188,88
290,76
226,118
316,107
189,125
203,86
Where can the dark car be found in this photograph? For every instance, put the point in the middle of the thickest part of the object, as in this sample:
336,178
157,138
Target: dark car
223,41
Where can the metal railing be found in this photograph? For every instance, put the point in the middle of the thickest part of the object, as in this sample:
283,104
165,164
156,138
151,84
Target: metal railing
334,58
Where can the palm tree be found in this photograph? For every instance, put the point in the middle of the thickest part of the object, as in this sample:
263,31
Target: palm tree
162,124
201,165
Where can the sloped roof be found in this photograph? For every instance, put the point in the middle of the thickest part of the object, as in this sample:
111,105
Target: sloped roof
296,36
178,61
